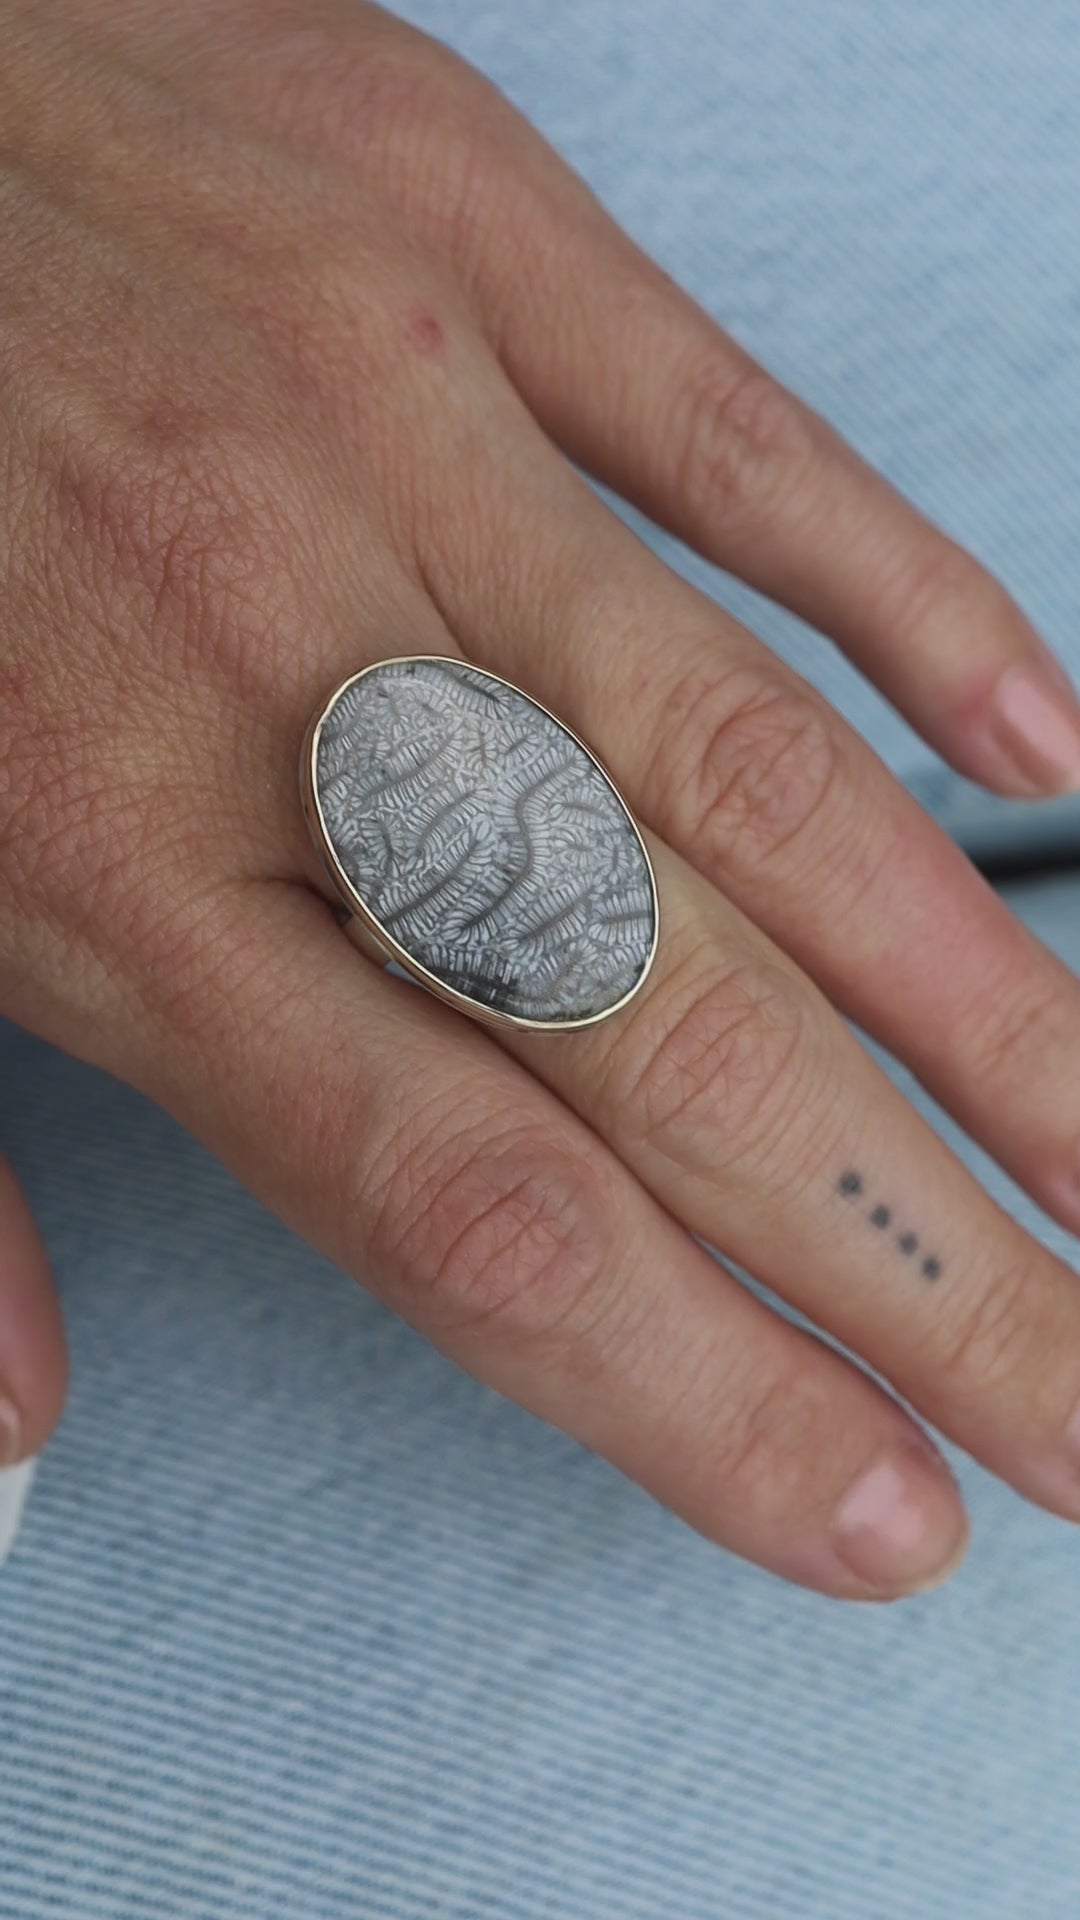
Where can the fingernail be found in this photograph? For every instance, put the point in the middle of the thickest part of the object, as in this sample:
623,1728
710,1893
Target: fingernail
901,1527
10,1432
1039,729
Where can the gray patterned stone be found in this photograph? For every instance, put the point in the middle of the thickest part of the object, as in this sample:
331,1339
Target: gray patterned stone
485,841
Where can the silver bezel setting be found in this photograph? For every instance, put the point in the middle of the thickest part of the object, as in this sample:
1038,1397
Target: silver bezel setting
383,941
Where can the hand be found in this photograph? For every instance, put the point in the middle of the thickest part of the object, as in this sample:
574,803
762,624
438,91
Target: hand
298,324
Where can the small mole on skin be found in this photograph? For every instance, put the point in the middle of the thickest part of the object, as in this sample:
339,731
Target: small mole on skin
907,1243
880,1217
164,424
850,1184
932,1268
425,330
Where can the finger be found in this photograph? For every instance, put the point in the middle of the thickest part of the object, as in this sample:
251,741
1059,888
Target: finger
749,773
33,1360
639,385
738,1097
404,1144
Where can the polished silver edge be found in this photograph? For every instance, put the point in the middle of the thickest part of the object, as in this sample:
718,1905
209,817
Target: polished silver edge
384,941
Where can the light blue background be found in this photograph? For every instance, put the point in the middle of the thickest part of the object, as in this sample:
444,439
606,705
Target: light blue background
306,1623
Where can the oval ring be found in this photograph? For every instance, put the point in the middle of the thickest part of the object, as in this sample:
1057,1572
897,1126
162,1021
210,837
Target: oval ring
479,843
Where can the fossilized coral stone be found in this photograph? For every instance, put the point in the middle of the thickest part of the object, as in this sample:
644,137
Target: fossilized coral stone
484,840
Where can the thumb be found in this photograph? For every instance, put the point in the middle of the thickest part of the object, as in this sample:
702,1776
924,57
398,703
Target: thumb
33,1354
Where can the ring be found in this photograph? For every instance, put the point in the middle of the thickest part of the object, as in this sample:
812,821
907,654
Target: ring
479,844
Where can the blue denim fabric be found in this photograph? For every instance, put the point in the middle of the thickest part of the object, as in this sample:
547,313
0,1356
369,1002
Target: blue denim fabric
304,1622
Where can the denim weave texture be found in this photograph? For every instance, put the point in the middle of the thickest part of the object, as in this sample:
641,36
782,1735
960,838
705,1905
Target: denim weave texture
304,1623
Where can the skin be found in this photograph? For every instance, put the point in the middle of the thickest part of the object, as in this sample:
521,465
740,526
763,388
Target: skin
301,327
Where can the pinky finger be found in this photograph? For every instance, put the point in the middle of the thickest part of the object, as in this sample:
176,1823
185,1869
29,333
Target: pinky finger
408,1146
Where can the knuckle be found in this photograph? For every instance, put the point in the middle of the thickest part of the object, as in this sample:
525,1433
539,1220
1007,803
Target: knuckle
454,176
770,1438
508,1237
335,86
426,128
741,441
705,1073
939,591
135,520
747,767
991,1343
1002,1035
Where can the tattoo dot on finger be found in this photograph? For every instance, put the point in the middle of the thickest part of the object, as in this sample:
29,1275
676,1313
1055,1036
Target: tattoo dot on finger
851,1185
